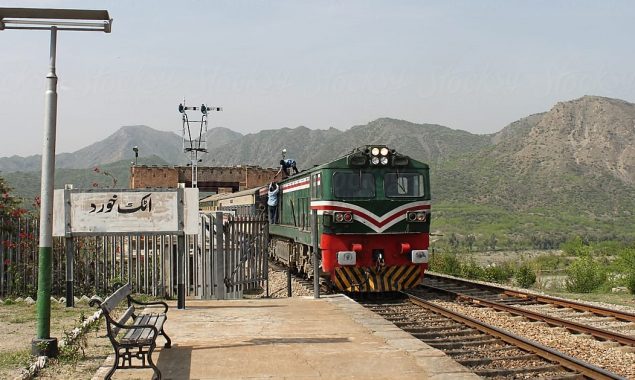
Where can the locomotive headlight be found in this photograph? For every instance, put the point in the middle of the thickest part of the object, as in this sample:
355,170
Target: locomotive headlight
384,151
421,217
384,160
374,151
339,217
411,216
346,257
419,256
375,160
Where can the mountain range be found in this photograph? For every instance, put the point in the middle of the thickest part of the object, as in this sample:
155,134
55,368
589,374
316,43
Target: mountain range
569,170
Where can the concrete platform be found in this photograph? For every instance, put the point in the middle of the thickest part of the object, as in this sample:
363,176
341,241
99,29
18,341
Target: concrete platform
290,338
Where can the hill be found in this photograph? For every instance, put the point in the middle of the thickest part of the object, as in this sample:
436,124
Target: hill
118,146
568,171
426,142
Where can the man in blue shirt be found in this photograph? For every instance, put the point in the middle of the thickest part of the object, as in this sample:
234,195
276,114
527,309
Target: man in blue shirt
272,202
286,165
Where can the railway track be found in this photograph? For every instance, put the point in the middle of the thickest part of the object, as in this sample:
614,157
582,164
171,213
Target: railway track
278,279
487,350
574,316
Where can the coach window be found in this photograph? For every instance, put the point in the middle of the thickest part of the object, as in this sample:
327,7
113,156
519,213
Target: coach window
407,185
353,185
316,186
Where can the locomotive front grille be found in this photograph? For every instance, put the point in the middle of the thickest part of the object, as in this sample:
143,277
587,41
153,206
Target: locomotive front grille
386,279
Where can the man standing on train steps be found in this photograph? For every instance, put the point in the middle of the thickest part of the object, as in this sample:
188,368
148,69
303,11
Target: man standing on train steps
272,202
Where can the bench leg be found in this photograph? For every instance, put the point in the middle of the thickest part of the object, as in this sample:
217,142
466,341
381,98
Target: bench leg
157,373
114,366
168,344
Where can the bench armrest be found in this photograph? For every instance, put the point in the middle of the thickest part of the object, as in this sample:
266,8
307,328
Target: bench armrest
95,300
132,300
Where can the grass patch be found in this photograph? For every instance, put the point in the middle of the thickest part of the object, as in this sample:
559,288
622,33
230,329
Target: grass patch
624,299
14,359
61,316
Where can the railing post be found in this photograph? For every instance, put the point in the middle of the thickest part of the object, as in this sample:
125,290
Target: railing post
266,253
180,261
69,247
219,257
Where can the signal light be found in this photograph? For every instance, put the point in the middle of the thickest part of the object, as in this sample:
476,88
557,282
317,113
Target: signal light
339,217
348,217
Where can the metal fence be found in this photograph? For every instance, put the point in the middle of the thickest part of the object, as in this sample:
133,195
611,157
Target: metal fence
217,265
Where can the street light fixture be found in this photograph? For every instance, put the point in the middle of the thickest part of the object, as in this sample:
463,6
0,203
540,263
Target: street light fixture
135,149
53,20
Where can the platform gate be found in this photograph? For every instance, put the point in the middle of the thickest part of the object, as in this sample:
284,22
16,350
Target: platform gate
227,257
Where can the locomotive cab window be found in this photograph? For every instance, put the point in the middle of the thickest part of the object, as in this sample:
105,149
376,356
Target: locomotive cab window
409,185
353,185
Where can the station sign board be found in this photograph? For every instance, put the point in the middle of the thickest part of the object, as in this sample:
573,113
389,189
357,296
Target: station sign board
97,212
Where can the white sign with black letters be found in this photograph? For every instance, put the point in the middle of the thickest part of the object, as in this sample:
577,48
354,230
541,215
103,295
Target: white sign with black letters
122,212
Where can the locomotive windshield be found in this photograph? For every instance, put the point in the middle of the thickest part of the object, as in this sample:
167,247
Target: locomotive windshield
353,185
403,185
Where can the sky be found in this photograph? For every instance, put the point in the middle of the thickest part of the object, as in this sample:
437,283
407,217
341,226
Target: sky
470,65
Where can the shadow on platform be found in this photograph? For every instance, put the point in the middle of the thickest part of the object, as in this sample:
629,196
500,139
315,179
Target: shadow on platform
176,362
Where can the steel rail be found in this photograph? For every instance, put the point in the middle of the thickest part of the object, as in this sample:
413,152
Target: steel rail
553,321
598,310
585,369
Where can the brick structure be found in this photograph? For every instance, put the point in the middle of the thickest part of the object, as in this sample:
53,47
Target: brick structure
215,179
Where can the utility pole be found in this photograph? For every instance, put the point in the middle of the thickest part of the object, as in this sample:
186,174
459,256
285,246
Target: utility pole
192,144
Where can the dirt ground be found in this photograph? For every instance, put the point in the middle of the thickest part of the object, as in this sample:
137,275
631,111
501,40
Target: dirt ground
18,327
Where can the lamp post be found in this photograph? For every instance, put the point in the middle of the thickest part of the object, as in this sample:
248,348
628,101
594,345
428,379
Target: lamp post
136,154
54,20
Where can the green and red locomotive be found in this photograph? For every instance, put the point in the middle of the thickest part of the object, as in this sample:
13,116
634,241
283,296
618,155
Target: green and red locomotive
373,208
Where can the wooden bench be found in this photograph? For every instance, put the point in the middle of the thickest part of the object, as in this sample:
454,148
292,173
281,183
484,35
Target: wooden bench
133,335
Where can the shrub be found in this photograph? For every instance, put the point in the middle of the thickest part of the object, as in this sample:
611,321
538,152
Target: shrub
584,275
446,263
472,270
630,281
525,276
498,272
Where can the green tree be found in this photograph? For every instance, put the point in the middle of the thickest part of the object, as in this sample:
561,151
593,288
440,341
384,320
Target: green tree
491,242
525,276
575,247
585,275
470,240
454,241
